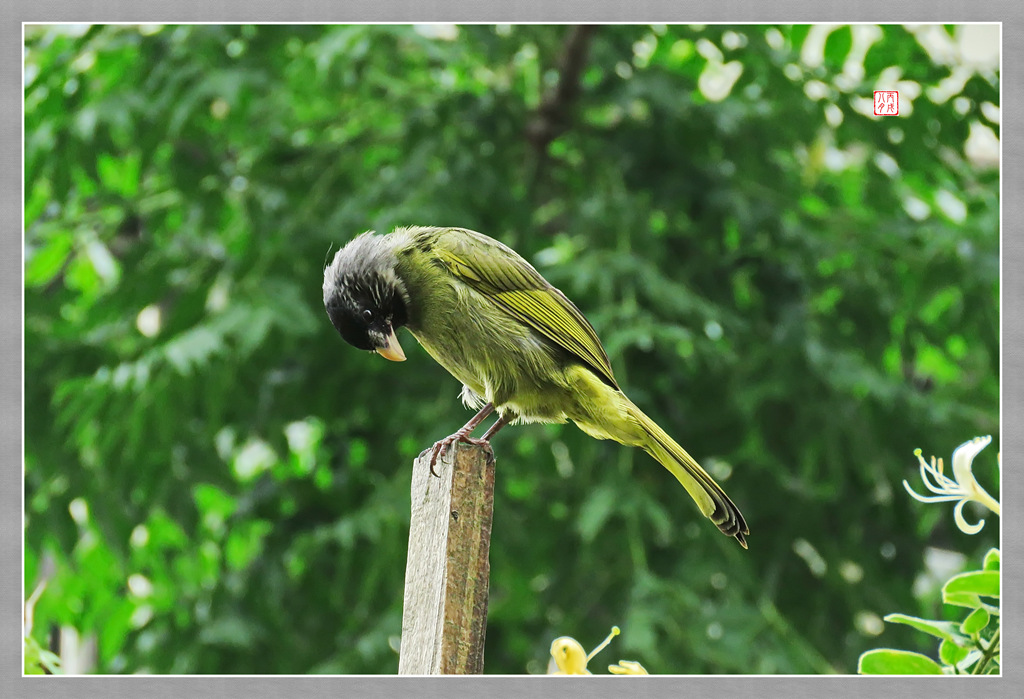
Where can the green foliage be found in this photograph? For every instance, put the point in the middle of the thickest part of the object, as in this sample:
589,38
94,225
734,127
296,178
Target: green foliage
970,647
966,647
38,660
799,298
885,661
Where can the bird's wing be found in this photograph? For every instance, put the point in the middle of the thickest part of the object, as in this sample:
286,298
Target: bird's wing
511,283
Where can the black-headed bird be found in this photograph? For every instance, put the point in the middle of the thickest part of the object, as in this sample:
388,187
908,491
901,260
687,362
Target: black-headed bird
517,344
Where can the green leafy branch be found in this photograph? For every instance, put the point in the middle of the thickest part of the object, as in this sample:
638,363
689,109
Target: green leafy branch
971,646
38,660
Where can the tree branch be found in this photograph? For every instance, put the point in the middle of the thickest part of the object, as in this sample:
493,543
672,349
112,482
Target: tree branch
554,113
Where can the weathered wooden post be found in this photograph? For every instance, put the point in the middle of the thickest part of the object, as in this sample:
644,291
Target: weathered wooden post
444,619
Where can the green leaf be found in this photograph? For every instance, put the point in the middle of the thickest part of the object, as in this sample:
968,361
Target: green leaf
162,533
214,504
962,599
975,621
946,630
981,583
943,300
814,205
798,33
992,560
887,661
950,653
595,512
120,174
838,45
932,361
245,543
32,651
38,660
44,263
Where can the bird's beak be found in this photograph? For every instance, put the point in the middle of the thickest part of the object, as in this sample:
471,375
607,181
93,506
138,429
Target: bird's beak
392,350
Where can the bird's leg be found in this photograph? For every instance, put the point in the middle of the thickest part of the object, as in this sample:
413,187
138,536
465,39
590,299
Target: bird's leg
498,424
462,435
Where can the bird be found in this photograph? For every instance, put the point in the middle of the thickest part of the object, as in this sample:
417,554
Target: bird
517,344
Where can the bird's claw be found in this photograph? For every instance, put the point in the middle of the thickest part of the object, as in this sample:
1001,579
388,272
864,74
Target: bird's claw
441,447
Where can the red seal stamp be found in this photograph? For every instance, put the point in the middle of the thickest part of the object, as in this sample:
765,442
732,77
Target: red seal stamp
887,103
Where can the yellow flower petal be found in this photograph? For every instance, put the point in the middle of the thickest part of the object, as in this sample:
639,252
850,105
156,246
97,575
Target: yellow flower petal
569,656
627,667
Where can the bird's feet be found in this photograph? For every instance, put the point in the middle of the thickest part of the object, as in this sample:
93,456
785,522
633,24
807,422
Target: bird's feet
442,446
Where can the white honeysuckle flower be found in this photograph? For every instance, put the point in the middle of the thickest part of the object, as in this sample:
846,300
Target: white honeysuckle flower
962,487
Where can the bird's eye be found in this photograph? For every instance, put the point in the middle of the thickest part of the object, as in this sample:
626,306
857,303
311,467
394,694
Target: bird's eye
368,315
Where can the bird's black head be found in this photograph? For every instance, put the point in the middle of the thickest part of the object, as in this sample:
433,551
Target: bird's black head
365,298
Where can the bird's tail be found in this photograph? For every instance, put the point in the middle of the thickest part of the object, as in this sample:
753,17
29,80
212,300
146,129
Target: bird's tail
709,496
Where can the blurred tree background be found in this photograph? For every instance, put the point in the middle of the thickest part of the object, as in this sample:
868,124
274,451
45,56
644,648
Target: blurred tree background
797,290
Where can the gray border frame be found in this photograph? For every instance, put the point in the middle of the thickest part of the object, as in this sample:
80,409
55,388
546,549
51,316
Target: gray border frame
1008,12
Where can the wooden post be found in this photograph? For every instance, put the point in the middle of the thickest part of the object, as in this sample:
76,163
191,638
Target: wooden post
444,619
